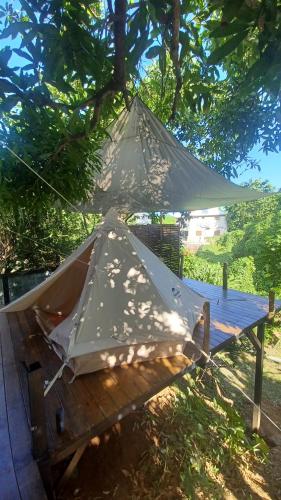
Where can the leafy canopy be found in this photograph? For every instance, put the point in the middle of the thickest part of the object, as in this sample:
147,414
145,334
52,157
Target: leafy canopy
67,67
251,247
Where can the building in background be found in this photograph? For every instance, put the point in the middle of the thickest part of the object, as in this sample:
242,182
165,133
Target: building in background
198,229
203,225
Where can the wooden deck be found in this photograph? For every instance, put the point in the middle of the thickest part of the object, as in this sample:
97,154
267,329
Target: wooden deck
232,313
19,475
92,403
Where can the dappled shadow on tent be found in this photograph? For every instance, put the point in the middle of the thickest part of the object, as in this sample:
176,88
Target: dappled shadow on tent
146,169
115,302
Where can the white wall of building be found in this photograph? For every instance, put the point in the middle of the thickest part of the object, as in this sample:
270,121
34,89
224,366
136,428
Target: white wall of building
203,225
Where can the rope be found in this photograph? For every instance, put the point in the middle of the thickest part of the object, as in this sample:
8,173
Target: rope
50,186
54,379
42,179
239,389
44,244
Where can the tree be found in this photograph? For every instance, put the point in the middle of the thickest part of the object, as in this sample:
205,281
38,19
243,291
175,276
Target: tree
29,241
252,212
79,61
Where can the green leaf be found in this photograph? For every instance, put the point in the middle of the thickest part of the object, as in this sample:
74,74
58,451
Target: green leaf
15,28
153,52
24,54
5,55
9,103
8,87
28,10
228,29
218,54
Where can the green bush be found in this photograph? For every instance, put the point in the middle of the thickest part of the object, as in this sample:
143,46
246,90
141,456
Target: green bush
241,274
197,268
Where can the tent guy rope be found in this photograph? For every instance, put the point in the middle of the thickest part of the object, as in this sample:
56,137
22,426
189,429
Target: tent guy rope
246,396
73,207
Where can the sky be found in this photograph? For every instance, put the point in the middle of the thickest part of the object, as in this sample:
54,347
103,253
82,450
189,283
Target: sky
270,168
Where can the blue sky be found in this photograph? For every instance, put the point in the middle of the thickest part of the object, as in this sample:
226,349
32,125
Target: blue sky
270,168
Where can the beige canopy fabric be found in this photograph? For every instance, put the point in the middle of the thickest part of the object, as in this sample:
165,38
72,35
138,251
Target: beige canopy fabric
112,302
144,168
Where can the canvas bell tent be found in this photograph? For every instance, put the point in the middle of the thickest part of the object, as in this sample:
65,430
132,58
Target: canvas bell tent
112,302
144,168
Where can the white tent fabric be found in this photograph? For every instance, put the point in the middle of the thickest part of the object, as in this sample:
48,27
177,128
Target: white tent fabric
144,168
117,303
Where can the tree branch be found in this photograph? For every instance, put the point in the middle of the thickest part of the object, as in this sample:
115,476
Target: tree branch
118,80
174,51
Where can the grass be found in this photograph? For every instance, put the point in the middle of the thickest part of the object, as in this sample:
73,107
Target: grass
190,442
199,442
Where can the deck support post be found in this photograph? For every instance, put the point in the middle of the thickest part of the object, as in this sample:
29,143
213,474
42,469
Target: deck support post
271,305
71,466
206,318
224,276
258,379
38,426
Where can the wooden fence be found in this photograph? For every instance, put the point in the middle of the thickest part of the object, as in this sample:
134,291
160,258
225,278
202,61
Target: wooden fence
163,240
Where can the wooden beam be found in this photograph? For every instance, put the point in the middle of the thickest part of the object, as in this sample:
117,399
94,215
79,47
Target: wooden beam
206,318
258,380
71,466
38,426
254,339
271,305
224,276
37,413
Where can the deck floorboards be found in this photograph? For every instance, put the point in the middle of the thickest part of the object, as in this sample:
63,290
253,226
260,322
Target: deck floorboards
95,401
19,475
232,312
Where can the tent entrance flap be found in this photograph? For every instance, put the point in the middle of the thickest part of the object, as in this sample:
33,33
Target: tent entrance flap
113,303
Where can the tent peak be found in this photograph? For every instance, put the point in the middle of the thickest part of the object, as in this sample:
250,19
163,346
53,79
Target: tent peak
145,168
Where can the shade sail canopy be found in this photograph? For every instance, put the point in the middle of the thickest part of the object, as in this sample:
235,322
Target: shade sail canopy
112,302
146,169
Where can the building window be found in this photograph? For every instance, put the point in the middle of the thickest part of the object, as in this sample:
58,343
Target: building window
198,233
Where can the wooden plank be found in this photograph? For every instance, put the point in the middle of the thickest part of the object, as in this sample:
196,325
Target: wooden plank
102,398
37,411
8,480
224,276
258,380
20,358
206,319
28,478
71,467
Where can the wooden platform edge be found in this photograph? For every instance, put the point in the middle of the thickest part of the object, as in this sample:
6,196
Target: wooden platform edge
116,417
27,476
